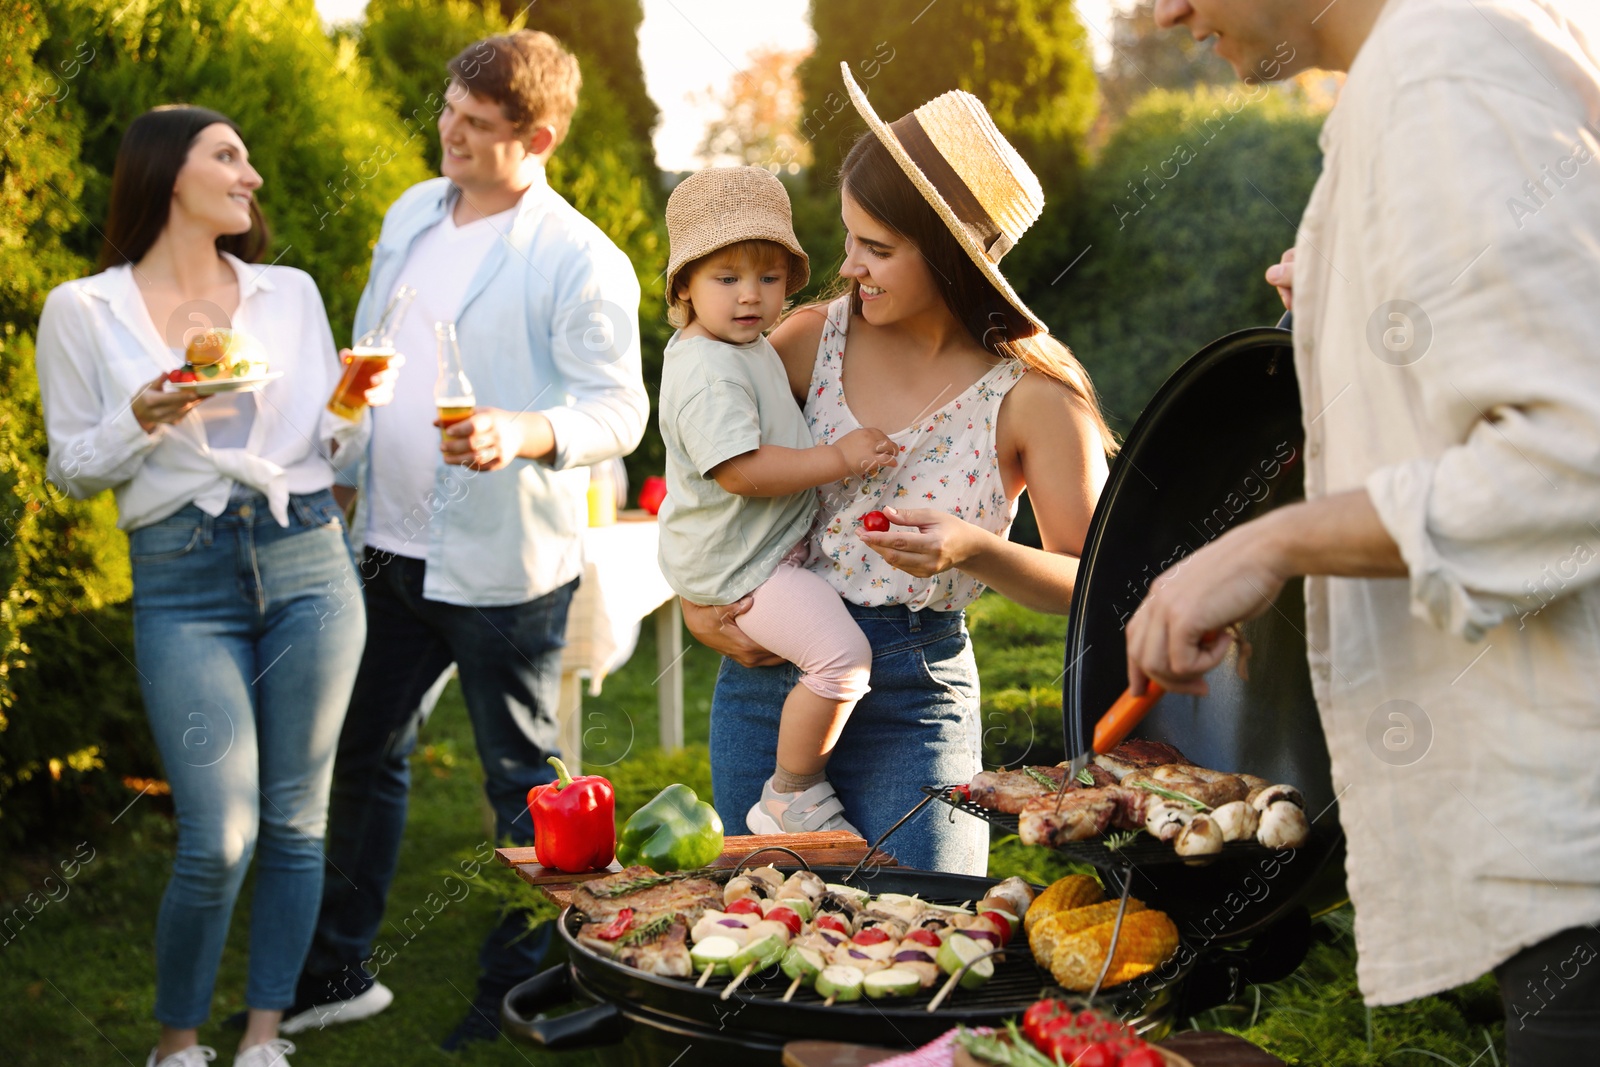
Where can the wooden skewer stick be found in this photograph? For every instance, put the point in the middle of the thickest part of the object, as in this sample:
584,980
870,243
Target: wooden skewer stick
944,991
831,998
749,969
705,976
794,985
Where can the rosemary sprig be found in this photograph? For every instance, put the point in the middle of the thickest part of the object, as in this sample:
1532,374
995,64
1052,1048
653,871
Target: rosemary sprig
1173,794
648,932
1085,777
992,1048
1042,778
633,885
1118,841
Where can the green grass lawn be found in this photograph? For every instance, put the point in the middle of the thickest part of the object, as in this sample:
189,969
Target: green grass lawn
77,981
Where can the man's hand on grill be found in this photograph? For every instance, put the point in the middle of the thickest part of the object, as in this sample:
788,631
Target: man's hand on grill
1181,630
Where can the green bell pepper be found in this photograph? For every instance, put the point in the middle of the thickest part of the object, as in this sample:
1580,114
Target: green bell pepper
676,831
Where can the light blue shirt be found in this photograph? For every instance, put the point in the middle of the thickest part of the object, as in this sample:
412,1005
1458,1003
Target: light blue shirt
549,324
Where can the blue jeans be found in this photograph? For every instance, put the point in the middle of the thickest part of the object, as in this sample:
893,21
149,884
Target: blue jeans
509,659
246,661
918,726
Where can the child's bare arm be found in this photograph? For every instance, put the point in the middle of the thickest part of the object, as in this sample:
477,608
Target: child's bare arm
773,470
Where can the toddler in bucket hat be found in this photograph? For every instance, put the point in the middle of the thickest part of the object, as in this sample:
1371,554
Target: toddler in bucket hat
742,470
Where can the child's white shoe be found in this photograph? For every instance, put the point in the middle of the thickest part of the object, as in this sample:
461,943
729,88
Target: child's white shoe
817,808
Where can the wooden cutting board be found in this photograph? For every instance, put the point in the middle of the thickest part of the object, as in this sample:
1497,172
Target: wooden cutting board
829,848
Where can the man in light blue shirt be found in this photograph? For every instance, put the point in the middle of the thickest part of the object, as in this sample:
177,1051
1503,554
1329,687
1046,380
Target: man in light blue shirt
470,549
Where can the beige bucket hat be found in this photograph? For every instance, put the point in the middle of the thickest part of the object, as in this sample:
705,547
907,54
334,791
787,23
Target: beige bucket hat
722,206
968,172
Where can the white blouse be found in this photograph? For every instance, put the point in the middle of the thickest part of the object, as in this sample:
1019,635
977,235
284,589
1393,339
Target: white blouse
97,348
1446,325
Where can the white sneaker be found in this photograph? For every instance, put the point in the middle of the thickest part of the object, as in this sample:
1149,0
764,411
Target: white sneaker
193,1056
274,1053
362,1006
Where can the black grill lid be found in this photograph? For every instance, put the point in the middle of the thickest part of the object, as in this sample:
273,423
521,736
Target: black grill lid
1219,444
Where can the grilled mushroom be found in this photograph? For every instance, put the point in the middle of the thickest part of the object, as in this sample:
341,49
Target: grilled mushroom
1274,793
1165,821
1202,837
1283,825
1238,821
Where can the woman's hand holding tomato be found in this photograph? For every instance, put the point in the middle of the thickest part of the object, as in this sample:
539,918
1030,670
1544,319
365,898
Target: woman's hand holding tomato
939,542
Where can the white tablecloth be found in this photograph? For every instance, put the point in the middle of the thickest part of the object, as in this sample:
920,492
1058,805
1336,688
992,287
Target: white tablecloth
622,585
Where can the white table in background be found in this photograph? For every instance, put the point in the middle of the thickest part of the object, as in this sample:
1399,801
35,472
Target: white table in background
622,585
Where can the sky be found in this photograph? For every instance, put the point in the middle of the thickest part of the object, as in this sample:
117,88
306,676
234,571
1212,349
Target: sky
691,49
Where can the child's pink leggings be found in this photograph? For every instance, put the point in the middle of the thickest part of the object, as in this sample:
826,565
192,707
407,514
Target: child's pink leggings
799,616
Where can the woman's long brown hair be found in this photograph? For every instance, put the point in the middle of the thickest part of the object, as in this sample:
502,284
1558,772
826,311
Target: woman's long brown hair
875,181
148,160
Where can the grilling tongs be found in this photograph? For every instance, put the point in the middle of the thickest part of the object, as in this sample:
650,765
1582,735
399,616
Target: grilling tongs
1116,724
1129,711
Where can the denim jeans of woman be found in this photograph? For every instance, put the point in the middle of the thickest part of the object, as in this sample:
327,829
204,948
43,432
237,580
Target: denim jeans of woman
918,726
247,638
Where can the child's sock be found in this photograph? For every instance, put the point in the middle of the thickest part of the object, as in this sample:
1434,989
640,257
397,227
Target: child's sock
784,782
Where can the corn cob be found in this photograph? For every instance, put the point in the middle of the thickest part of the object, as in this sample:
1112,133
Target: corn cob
1147,939
1073,891
1047,935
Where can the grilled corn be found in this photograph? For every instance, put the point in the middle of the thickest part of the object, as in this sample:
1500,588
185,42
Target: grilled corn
1146,940
1073,891
1047,935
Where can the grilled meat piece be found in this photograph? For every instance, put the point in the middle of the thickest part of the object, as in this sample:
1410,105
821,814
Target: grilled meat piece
1008,791
1139,755
688,895
1081,814
1211,788
667,954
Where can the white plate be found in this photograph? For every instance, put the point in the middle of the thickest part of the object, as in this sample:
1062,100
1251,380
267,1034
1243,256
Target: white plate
228,385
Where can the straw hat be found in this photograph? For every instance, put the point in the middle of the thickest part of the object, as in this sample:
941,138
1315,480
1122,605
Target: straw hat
722,206
965,168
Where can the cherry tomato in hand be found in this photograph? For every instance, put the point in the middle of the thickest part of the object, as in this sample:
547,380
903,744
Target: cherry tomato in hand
876,521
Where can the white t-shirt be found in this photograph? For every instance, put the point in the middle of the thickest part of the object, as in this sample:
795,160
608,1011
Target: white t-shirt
405,443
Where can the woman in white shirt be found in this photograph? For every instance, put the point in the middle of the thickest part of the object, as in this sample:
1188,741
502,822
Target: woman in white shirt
248,621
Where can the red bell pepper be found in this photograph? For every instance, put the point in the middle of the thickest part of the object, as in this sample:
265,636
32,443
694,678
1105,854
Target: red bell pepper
574,821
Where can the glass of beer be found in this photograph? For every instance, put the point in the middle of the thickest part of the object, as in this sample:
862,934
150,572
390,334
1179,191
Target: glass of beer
452,392
373,352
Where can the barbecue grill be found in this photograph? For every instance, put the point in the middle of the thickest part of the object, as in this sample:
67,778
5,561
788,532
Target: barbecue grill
1218,445
638,1018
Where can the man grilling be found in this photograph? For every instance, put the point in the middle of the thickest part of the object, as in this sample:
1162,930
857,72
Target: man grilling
1443,283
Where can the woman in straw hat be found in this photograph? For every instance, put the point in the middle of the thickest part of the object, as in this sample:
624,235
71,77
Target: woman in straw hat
930,339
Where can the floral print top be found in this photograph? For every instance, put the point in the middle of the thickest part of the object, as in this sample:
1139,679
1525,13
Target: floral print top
948,461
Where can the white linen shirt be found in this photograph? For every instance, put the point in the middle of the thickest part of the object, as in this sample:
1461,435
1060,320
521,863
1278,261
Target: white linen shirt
1461,706
97,348
549,323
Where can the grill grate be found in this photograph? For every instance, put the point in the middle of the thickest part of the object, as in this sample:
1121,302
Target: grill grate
1142,852
1017,982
